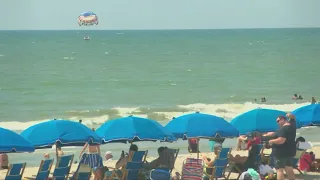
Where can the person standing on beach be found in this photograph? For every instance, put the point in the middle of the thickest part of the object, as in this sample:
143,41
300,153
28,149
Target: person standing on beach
284,147
92,158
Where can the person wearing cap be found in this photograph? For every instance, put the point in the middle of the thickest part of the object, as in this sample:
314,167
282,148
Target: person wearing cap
284,146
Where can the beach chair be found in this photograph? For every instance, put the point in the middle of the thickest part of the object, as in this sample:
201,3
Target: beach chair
139,156
192,169
297,157
15,171
219,166
160,174
44,170
132,170
62,171
235,168
83,172
167,161
136,158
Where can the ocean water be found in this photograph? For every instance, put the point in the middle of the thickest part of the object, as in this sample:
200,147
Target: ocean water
154,74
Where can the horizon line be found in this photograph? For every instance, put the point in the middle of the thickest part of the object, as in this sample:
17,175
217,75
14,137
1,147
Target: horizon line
178,29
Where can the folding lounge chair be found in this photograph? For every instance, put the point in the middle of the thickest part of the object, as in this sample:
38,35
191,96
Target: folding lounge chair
62,171
83,172
234,168
44,170
167,160
15,171
137,157
219,166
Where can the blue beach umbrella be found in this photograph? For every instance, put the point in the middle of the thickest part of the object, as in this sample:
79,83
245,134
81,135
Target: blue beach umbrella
13,142
131,129
67,133
198,125
258,120
308,115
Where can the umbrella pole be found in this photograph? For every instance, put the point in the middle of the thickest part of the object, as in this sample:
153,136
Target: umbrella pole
198,149
57,155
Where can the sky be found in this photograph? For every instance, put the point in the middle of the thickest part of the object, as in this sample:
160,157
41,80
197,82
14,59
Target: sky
159,14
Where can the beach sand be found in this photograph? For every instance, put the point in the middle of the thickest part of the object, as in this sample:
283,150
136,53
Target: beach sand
29,171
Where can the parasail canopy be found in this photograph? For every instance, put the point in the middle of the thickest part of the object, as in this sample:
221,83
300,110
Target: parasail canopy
88,19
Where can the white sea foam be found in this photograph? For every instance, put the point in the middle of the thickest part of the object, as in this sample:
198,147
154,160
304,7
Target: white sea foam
20,126
233,110
97,117
15,125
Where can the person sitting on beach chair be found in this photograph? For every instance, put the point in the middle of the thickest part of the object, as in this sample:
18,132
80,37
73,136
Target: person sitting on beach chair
166,159
124,158
121,163
215,169
243,163
157,162
209,162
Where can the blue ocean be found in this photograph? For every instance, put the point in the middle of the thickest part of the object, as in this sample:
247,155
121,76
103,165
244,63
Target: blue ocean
158,74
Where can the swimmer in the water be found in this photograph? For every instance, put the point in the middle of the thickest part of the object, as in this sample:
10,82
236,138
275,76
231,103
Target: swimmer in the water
295,97
263,99
300,97
313,100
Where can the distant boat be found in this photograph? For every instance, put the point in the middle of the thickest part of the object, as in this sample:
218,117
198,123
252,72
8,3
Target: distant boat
87,38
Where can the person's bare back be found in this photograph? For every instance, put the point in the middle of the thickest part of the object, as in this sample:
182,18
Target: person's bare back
93,149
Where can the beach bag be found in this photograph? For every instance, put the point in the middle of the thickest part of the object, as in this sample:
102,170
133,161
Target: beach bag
251,174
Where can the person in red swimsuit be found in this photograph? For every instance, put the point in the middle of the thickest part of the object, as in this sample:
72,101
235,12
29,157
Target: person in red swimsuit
255,140
193,145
